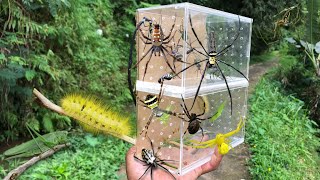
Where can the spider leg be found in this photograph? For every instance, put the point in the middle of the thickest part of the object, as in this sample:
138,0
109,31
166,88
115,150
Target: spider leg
144,36
145,171
166,170
195,34
233,68
189,67
184,107
227,47
202,133
165,58
225,80
135,157
165,38
147,125
146,67
130,61
151,49
151,173
202,77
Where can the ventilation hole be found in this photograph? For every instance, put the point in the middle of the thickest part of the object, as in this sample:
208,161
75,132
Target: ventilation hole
170,148
160,153
144,119
241,28
144,108
241,63
142,67
162,100
168,158
161,122
153,18
224,128
170,124
218,126
211,124
241,38
163,18
220,29
172,102
240,47
169,136
143,137
161,143
173,17
241,55
151,66
152,140
161,67
151,78
161,133
152,130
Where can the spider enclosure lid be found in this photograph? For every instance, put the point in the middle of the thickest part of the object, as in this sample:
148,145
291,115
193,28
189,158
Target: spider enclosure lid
192,43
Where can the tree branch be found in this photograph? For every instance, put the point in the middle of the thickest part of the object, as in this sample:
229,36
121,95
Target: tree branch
20,169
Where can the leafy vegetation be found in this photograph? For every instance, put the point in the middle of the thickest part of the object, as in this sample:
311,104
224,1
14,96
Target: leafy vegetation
282,138
89,157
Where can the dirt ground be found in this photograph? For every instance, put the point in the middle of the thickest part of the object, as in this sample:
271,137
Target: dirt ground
234,164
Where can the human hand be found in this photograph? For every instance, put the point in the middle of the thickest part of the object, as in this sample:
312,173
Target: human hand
135,168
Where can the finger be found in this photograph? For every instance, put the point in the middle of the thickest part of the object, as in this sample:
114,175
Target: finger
212,164
130,153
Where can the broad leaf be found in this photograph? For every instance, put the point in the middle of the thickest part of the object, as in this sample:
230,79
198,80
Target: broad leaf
218,113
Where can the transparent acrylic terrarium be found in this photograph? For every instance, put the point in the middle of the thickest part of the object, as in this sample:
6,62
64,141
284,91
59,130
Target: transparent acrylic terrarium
217,31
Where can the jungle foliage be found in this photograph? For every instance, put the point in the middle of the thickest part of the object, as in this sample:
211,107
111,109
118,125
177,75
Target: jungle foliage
281,137
58,47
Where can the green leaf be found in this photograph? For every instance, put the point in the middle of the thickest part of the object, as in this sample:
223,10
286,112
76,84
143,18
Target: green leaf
312,25
92,141
47,123
30,74
218,113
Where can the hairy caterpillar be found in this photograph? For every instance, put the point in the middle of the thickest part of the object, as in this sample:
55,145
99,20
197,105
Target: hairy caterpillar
95,117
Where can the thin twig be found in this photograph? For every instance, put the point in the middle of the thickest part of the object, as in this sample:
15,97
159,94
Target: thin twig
20,169
50,105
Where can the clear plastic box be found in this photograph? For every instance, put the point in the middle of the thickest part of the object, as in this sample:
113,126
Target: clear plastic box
216,30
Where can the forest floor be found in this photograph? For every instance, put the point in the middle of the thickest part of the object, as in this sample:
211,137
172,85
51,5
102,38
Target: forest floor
234,164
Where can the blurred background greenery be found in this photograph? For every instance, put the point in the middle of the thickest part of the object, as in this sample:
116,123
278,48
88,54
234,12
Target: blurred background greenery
63,46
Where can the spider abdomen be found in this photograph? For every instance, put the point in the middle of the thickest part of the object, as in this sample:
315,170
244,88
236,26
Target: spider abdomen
194,127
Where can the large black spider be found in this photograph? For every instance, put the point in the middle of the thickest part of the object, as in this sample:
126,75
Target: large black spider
193,119
211,59
150,158
157,40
